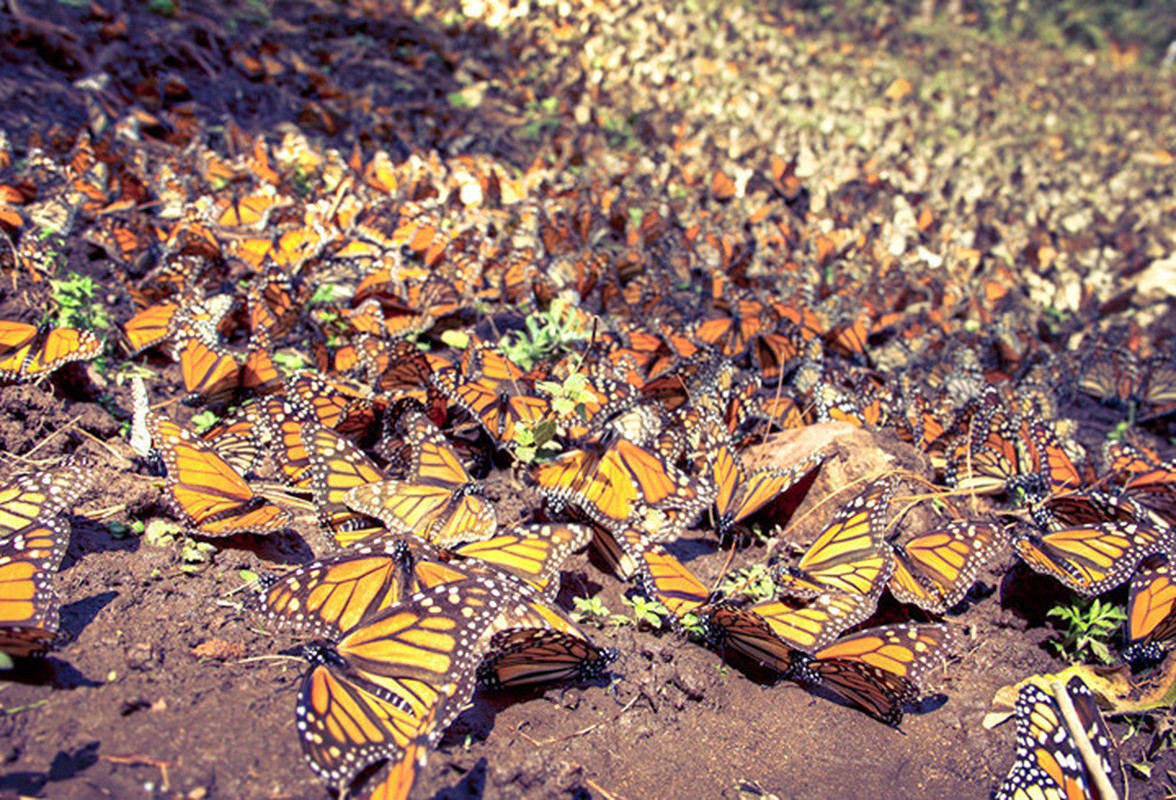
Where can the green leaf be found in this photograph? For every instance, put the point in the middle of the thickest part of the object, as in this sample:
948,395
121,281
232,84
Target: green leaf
456,339
1142,767
204,421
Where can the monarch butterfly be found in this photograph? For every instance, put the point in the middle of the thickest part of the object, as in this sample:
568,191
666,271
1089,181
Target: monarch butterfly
770,632
439,501
1146,477
879,669
205,491
738,323
240,438
272,304
1086,508
851,554
935,569
28,352
282,421
774,353
336,467
1051,461
331,595
27,499
850,339
1151,611
178,274
1049,763
259,375
394,780
987,459
1159,387
1092,559
492,390
150,326
425,648
653,352
869,406
209,371
346,724
529,656
130,245
409,374
532,552
660,576
740,495
29,557
924,422
742,403
614,483
250,211
332,403
1110,374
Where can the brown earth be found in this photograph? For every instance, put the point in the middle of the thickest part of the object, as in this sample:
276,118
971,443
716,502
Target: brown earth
128,707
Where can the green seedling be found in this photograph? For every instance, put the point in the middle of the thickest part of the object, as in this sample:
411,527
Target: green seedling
546,335
204,421
647,612
1088,628
754,582
74,298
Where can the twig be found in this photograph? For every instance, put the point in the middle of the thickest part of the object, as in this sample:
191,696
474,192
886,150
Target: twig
607,795
86,434
519,728
1093,766
100,514
143,761
275,657
69,425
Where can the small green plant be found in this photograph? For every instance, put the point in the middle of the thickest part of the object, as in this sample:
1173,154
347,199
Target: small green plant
1163,737
1088,627
129,370
303,182
195,556
568,396
162,533
754,582
620,130
290,361
532,440
693,625
76,305
647,612
204,420
164,8
547,334
542,117
1117,433
123,530
590,611
458,340
327,294
536,441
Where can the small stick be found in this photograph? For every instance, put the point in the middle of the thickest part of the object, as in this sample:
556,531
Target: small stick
575,734
1089,758
143,761
607,795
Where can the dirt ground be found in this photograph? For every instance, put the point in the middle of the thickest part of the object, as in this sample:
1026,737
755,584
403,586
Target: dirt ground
127,706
